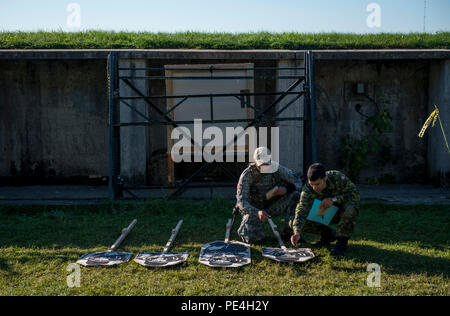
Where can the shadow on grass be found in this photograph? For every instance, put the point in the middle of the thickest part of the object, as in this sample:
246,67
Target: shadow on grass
427,225
88,227
4,265
7,269
399,262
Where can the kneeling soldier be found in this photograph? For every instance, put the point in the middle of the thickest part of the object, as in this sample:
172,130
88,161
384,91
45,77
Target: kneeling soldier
266,189
333,188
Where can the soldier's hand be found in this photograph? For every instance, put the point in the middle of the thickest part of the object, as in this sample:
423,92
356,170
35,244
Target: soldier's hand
326,204
321,211
281,191
263,216
295,238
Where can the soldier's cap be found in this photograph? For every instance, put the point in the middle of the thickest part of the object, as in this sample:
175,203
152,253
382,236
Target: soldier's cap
262,156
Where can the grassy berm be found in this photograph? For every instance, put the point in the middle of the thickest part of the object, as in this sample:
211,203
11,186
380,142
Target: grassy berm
200,40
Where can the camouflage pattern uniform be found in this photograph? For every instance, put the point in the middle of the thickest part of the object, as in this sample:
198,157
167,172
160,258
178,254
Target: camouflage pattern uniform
338,186
251,198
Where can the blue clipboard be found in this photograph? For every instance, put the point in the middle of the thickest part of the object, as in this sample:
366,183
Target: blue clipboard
326,218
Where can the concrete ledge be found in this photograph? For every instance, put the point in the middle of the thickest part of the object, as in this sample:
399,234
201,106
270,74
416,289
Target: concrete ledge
377,54
149,54
90,195
382,54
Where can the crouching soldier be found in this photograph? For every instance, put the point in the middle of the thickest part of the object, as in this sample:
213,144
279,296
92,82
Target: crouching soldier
332,188
266,189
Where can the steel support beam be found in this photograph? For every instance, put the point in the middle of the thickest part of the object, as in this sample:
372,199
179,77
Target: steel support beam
115,190
115,182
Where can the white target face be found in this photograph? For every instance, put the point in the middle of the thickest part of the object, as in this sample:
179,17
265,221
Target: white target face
159,259
288,255
226,255
104,258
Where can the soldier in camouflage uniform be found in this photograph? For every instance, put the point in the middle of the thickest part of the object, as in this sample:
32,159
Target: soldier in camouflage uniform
332,188
265,189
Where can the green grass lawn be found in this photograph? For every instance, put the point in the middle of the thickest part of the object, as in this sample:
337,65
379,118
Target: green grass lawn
410,243
198,40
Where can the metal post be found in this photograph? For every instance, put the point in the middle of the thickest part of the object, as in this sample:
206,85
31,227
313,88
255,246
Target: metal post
313,107
309,142
306,107
115,190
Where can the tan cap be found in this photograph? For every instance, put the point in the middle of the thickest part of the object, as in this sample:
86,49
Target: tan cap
262,156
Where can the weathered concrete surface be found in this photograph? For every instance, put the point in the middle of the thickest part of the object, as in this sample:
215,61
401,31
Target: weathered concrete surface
169,54
402,84
291,132
133,139
54,109
157,171
439,95
92,195
54,118
382,54
357,54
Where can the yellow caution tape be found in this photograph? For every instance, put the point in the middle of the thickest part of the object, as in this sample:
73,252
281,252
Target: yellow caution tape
433,117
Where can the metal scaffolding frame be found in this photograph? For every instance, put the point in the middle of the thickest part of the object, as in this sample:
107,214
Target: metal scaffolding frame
116,183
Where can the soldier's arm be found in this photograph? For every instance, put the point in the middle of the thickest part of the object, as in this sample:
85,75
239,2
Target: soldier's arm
243,195
289,177
349,191
302,210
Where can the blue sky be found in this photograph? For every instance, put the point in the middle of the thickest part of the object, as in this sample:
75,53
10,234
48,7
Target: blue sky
226,16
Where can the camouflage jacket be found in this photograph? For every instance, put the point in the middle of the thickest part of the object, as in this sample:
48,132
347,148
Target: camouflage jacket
338,186
253,186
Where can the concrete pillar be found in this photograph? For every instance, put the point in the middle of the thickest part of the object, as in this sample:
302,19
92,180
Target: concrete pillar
439,95
291,132
133,139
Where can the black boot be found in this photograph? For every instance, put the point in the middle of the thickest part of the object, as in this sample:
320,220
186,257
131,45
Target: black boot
340,248
327,236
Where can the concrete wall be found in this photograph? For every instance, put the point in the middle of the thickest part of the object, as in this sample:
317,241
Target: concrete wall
53,118
133,139
54,111
439,95
294,143
403,84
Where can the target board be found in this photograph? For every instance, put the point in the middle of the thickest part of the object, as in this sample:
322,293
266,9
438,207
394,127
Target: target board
160,259
288,255
110,257
104,258
230,254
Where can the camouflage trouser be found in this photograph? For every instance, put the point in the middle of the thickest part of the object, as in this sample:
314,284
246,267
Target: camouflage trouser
345,220
252,228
